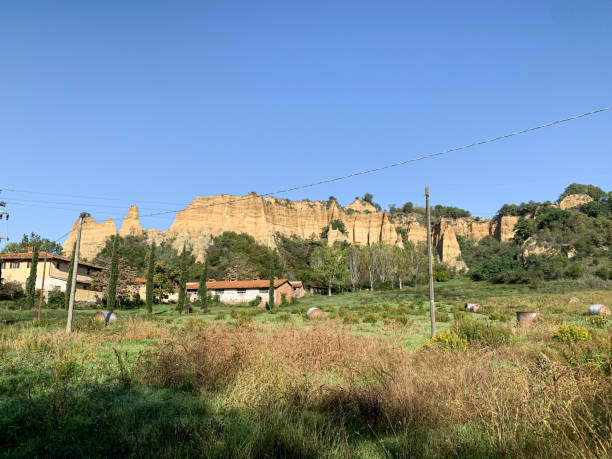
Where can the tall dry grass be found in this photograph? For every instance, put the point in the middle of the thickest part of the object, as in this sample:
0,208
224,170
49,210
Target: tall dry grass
523,401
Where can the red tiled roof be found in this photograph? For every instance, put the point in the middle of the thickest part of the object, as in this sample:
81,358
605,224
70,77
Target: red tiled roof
140,280
214,285
42,256
296,283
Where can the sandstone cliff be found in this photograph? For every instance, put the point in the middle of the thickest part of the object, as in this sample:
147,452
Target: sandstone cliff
574,200
207,217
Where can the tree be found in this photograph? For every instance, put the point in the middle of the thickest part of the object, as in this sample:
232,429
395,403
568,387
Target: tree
369,197
150,279
330,266
31,282
182,293
125,286
202,290
355,259
43,244
416,261
271,288
111,292
69,280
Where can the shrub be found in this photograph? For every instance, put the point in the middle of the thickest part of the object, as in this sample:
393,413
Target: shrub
572,333
441,275
371,318
499,316
350,318
597,321
255,301
284,299
604,273
195,324
56,299
449,339
11,291
442,316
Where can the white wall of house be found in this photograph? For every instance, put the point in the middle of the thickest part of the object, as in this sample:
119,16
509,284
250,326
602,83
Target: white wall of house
240,296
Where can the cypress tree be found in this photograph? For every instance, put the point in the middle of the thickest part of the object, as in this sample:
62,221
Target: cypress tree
202,290
271,289
150,285
69,280
182,293
31,282
111,292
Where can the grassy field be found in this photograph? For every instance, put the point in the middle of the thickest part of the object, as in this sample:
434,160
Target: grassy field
239,381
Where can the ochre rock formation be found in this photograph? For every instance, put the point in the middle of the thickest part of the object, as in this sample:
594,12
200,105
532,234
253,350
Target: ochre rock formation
93,237
207,217
574,200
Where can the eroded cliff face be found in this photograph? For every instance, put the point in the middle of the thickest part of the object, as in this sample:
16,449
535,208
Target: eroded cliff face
207,217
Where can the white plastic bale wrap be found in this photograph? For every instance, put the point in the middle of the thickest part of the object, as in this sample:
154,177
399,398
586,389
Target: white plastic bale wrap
105,316
473,307
599,310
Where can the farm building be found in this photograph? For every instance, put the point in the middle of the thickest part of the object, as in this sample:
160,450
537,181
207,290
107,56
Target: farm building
238,291
15,267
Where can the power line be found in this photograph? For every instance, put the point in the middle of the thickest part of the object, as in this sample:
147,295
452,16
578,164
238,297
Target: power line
400,163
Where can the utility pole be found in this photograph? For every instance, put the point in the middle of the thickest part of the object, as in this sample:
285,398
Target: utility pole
432,310
42,286
75,272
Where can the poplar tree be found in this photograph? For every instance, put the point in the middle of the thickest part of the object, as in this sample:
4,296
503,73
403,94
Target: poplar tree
111,292
150,284
182,293
69,280
271,289
31,282
202,290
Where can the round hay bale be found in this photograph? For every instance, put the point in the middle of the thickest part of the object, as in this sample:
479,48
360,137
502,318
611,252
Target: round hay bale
314,314
524,318
107,317
473,307
599,310
574,300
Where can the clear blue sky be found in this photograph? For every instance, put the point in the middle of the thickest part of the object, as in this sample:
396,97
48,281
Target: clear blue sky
153,103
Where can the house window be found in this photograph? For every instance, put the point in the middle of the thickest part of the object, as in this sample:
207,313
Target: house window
88,271
27,264
4,265
57,266
263,290
241,290
14,264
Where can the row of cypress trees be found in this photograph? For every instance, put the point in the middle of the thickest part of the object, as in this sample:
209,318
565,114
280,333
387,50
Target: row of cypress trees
111,293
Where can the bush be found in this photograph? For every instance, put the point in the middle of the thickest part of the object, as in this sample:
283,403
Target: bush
56,299
441,275
194,324
255,301
11,291
499,316
597,321
449,339
371,318
604,273
572,333
442,317
350,318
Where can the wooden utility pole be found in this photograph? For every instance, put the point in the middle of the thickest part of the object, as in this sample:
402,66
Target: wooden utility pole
432,310
75,273
42,286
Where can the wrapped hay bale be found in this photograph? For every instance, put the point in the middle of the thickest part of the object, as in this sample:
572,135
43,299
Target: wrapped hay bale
314,314
574,300
105,316
599,310
473,307
524,318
